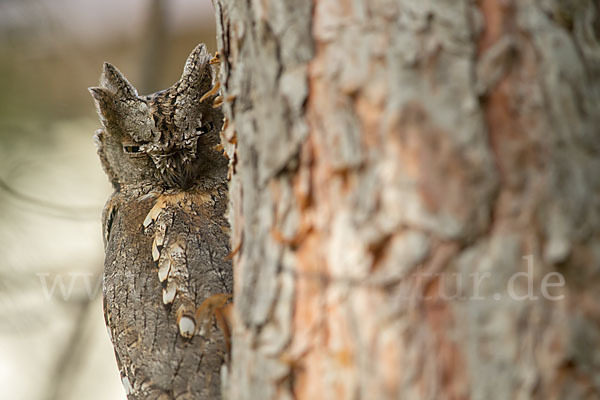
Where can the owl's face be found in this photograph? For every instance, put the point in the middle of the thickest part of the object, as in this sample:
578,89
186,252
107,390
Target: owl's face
167,138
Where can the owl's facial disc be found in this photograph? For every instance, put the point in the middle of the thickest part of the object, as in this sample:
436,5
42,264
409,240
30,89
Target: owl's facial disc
164,138
175,155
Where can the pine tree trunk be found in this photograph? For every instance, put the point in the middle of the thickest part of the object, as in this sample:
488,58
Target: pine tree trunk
415,198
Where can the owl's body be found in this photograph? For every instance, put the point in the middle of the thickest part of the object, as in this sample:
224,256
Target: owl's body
166,236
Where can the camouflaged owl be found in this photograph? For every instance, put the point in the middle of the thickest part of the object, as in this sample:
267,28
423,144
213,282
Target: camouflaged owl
167,280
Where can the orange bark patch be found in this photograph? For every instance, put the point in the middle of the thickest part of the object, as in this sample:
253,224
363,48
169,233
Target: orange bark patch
308,317
496,14
508,118
451,368
450,363
370,116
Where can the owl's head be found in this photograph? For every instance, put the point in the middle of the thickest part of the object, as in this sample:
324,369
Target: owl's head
166,139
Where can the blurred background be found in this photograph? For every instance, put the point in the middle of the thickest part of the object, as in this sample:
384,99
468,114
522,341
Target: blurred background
53,343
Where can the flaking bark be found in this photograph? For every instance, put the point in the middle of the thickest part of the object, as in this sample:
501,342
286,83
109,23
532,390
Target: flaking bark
381,149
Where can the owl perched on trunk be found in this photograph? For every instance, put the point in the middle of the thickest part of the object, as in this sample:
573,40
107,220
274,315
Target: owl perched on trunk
166,278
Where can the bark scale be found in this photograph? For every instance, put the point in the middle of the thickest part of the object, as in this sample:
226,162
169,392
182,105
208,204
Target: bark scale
394,164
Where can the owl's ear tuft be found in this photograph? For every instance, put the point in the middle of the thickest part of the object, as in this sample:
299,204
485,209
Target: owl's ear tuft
105,101
107,107
100,94
197,73
113,80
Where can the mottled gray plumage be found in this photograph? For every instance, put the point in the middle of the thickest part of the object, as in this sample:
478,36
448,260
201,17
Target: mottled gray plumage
166,236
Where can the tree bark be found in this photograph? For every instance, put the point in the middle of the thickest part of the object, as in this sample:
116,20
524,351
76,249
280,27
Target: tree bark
403,174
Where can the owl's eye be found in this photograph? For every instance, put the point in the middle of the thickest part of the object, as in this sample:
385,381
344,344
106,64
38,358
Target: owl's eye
131,149
205,128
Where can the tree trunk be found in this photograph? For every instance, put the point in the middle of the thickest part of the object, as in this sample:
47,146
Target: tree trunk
414,197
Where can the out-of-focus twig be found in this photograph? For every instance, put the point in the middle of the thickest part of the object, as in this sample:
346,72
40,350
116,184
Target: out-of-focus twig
51,209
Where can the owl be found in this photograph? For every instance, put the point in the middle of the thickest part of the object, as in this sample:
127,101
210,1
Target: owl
167,280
